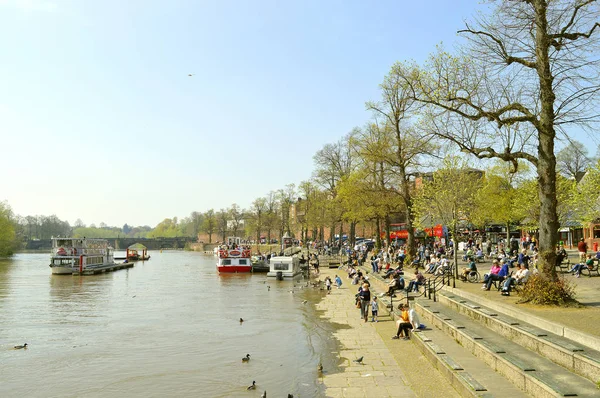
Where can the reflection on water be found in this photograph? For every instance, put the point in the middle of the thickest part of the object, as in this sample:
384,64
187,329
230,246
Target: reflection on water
167,327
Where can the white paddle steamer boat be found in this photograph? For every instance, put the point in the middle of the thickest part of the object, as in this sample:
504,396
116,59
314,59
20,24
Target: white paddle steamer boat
75,256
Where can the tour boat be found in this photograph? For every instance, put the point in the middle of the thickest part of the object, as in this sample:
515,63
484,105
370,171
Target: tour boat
234,260
74,255
284,267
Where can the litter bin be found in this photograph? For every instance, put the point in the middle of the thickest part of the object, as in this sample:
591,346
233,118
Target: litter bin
595,246
279,275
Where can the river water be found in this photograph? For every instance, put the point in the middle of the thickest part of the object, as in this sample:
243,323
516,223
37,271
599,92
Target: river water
166,327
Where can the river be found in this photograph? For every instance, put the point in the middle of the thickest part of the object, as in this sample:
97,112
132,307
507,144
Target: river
166,327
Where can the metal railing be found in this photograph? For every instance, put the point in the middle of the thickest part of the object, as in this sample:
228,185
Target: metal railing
433,285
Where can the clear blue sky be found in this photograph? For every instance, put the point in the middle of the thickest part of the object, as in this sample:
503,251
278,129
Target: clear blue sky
99,119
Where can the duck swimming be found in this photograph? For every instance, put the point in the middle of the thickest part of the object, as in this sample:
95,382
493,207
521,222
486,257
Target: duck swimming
252,387
241,320
246,358
320,367
18,347
264,395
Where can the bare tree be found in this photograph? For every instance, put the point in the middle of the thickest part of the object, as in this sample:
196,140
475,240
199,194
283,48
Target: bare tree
406,145
210,223
531,67
573,160
236,217
332,163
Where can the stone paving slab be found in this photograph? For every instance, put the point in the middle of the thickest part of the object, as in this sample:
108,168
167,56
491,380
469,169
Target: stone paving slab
381,374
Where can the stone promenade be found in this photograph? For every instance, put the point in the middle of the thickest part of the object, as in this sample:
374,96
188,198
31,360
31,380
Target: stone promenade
391,368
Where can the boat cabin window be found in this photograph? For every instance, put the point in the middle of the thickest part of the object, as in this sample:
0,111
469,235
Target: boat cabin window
280,267
61,261
226,262
243,262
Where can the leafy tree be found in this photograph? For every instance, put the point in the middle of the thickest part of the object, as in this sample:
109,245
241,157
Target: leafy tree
405,144
272,220
7,230
449,196
500,199
586,199
168,228
286,198
332,163
210,224
530,68
236,216
222,217
256,219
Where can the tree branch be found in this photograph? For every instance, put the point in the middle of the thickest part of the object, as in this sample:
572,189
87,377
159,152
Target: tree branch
509,59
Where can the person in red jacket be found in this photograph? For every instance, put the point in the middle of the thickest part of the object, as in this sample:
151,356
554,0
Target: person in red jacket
582,248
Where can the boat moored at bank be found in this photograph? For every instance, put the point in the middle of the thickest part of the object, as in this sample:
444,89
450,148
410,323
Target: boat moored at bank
82,256
234,257
284,267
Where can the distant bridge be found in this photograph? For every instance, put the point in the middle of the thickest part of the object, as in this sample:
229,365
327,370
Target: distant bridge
124,243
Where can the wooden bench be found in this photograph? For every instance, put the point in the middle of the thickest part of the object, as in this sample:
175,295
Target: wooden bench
595,271
564,266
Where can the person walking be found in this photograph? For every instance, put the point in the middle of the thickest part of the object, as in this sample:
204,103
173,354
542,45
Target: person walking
582,249
374,309
365,298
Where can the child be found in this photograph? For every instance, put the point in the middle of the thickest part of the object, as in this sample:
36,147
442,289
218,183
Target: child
338,281
374,309
328,284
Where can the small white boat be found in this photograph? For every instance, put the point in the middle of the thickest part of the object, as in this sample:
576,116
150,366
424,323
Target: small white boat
284,267
73,255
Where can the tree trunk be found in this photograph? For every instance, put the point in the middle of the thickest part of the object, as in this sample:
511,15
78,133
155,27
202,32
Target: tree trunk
378,237
387,230
352,233
332,234
455,245
210,237
546,165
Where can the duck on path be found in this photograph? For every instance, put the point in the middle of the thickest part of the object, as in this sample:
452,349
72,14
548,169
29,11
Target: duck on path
246,358
18,347
252,387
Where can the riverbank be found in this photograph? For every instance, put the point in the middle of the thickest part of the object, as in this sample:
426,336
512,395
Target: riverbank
390,368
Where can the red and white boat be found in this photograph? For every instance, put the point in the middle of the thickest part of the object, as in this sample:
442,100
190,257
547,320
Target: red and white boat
234,260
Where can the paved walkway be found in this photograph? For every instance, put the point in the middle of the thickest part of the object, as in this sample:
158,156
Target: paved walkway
391,368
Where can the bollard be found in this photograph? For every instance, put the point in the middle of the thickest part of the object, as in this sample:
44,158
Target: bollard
279,275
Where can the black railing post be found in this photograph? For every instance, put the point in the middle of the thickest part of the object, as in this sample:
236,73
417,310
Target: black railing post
453,282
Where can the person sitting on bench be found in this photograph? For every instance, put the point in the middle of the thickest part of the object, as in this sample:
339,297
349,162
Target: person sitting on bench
520,277
499,277
396,284
403,323
589,264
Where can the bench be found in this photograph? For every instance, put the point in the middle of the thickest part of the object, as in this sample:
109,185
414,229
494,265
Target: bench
564,266
595,271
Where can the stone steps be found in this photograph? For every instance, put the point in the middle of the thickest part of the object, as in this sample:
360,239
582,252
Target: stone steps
469,375
574,356
484,352
527,370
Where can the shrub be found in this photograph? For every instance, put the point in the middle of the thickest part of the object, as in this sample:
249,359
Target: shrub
540,289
